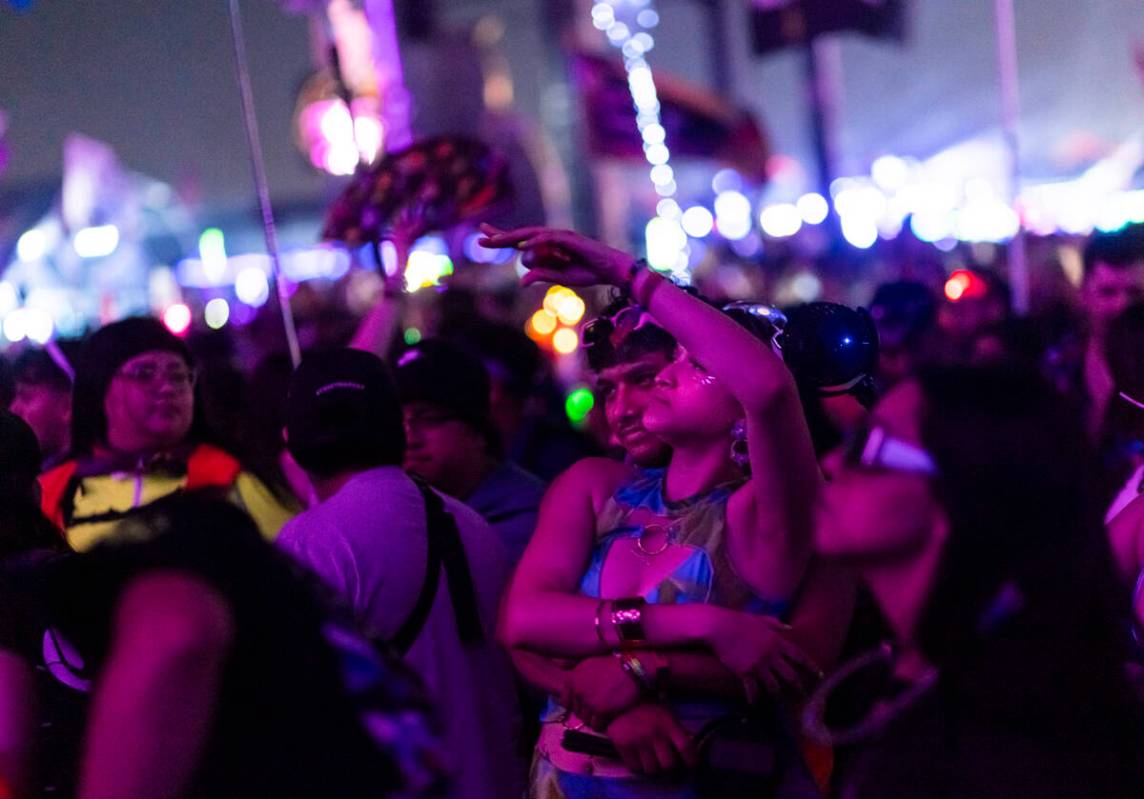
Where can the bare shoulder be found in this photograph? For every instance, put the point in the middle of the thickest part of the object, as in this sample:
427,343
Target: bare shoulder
595,477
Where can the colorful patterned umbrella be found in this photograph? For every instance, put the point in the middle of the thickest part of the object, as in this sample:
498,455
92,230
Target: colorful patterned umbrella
432,185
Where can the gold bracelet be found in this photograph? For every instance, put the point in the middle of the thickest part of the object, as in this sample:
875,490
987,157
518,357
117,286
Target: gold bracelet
599,628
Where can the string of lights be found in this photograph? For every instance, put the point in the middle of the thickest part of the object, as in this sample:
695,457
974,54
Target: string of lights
628,25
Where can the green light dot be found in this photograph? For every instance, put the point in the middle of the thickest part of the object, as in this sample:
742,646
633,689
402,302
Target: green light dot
579,404
412,336
212,244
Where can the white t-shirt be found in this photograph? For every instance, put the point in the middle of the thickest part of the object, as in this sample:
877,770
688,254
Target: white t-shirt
369,543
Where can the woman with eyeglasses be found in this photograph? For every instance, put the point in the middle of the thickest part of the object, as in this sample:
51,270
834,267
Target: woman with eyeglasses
668,567
136,437
965,507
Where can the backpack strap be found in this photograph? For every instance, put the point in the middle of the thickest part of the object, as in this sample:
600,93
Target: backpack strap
445,548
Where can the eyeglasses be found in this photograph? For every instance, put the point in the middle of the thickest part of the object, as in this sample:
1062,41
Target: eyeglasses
150,376
873,448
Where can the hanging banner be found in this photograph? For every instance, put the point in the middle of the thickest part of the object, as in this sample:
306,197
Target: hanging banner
776,24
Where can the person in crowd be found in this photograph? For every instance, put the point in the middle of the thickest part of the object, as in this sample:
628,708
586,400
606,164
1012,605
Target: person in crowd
1113,280
654,561
215,668
135,438
526,403
905,313
1016,341
452,443
625,350
1121,457
1121,447
22,526
984,301
419,570
44,400
964,507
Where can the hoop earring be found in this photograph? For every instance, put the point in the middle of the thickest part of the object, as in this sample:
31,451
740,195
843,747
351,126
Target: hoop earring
739,454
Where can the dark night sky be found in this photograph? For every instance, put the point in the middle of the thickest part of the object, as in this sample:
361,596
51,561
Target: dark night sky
154,78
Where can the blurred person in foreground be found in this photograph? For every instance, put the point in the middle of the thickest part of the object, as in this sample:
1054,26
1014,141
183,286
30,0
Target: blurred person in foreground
215,668
44,400
136,438
419,570
452,443
1113,280
34,758
964,507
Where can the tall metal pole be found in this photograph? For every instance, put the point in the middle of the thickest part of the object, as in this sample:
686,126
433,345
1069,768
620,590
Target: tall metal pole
262,186
561,112
718,48
822,90
1010,118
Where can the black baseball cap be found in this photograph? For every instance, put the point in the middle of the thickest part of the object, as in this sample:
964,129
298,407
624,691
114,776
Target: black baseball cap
342,414
440,373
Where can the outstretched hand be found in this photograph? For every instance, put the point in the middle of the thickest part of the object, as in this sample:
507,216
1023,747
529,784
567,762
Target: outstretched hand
562,256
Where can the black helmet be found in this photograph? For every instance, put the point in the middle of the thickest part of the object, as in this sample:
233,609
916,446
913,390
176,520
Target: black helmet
831,348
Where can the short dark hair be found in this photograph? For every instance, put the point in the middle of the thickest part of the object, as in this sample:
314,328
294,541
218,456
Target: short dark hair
1118,249
100,357
35,367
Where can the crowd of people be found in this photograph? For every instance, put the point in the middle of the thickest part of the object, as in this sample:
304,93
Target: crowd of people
817,551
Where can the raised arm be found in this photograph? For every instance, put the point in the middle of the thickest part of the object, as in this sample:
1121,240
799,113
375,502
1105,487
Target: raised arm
375,332
771,520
